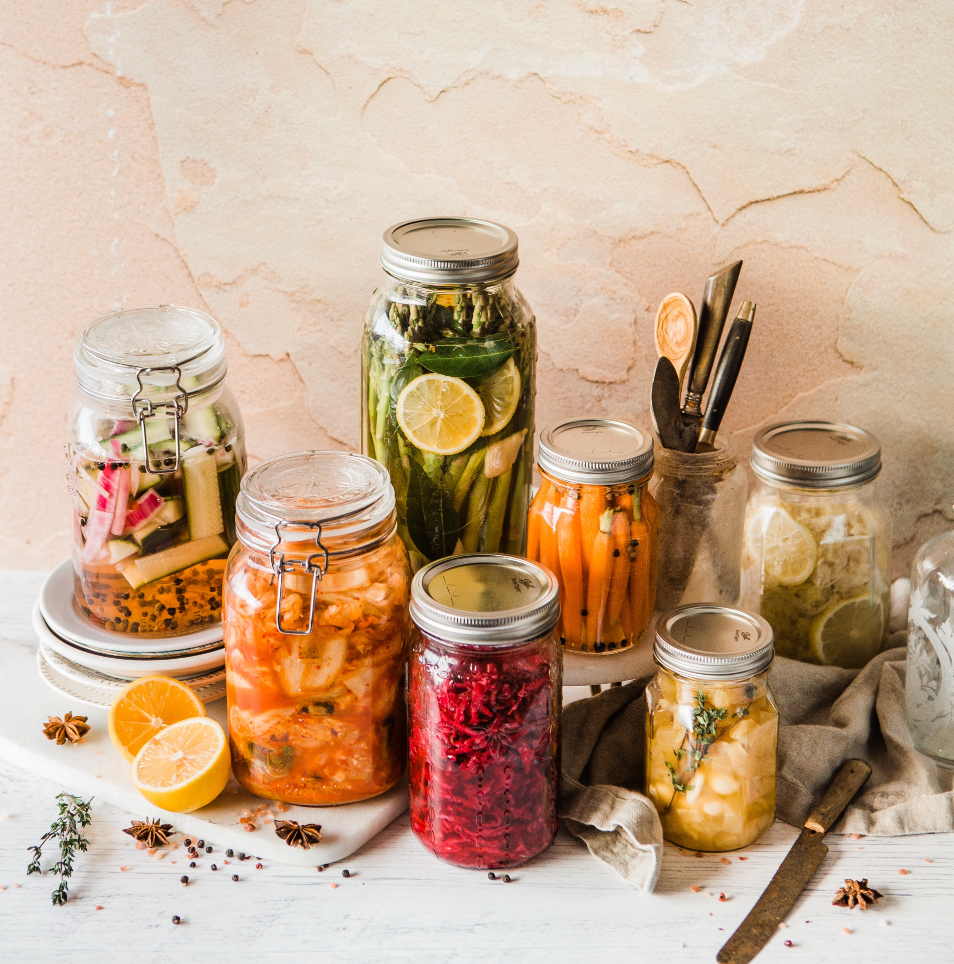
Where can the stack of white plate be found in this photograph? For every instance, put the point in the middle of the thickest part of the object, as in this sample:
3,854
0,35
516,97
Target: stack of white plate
91,665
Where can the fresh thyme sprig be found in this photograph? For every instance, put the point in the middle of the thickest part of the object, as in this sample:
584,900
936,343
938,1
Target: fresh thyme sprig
705,721
74,815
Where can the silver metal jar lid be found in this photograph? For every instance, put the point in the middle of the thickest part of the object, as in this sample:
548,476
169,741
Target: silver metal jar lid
485,600
816,455
343,493
708,642
154,350
595,451
449,251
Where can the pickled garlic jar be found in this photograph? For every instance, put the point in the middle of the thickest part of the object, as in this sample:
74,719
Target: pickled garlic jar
817,543
156,452
484,696
448,374
316,631
712,728
593,524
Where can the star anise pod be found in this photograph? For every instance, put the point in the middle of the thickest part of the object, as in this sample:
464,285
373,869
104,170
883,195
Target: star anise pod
298,835
151,832
856,893
72,728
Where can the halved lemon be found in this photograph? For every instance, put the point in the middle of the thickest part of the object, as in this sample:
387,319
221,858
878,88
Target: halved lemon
440,414
849,632
145,707
185,766
500,393
788,553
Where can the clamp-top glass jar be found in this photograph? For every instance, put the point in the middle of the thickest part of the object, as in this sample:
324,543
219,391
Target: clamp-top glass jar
156,452
593,524
817,543
485,695
448,380
316,631
712,728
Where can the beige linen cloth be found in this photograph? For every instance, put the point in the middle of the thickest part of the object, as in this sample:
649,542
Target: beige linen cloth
826,715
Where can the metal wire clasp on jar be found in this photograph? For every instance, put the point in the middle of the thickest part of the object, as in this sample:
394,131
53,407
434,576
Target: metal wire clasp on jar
316,629
485,696
712,728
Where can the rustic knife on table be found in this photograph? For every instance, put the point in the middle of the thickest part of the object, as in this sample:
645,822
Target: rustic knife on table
727,372
797,868
716,301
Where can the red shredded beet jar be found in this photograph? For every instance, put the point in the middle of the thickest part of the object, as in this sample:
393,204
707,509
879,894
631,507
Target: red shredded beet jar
484,707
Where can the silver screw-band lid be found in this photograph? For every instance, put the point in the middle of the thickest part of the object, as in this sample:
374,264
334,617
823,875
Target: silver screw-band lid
449,251
595,451
485,600
708,642
816,455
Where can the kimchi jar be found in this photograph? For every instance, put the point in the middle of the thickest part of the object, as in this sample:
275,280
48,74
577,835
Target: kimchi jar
712,729
316,629
484,695
156,452
593,524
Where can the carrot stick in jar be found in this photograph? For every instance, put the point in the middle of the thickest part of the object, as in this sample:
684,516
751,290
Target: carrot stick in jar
626,619
533,531
569,545
620,532
601,571
592,506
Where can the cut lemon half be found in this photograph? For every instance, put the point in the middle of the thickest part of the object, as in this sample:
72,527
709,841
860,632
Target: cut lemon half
499,391
788,551
145,707
440,414
848,633
185,766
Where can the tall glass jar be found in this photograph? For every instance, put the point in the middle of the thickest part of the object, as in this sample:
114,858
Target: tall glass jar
701,497
316,631
712,728
448,380
156,452
485,697
593,524
817,543
929,686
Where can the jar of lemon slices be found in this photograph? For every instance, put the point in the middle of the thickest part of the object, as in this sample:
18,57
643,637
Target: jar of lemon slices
448,379
817,543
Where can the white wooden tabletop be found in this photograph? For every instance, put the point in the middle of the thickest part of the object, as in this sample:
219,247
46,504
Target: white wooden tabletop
402,904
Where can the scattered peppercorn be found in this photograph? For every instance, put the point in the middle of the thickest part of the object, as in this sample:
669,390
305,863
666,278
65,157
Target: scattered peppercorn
177,919
241,856
506,878
214,867
192,864
230,852
258,866
208,850
789,944
234,876
200,843
345,873
183,879
491,876
188,841
321,868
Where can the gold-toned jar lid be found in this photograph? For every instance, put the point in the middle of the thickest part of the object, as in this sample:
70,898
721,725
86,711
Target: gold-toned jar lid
709,642
449,251
816,455
485,599
595,451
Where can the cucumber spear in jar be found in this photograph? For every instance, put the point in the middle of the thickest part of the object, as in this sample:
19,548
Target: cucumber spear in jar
448,364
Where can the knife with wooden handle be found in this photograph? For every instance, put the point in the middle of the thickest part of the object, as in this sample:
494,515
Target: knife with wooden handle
727,373
797,868
716,301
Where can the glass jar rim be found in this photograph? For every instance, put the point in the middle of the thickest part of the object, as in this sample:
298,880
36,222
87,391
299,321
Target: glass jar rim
303,497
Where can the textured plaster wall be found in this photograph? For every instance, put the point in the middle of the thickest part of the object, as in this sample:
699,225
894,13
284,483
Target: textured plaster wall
244,156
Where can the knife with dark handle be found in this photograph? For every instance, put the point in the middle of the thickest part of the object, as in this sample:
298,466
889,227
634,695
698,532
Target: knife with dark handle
797,868
716,301
727,372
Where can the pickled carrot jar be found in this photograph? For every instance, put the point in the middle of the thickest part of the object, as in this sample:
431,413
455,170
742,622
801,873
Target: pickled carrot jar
156,452
316,630
593,524
712,728
484,695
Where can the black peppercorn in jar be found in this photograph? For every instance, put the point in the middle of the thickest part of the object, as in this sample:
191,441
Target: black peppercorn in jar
156,454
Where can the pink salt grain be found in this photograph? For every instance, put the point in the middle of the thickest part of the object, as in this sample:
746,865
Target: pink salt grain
903,872
695,888
333,885
847,930
725,860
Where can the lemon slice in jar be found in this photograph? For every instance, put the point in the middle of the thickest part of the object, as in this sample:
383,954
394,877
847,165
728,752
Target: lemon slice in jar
185,766
440,414
848,633
500,393
788,552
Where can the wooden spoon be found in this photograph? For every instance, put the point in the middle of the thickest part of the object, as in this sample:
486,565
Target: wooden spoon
675,332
